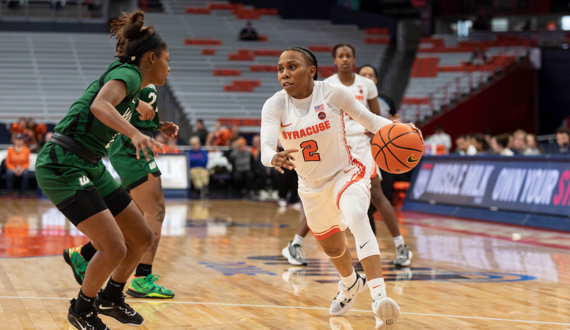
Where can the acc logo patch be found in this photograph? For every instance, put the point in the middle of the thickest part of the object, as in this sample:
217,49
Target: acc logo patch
322,115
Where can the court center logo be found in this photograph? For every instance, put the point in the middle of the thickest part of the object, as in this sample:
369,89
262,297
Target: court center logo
324,272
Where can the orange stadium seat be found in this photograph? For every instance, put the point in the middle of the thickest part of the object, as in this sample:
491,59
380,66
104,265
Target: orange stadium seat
320,48
208,51
376,31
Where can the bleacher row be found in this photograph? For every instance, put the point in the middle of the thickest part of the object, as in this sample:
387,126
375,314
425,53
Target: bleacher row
213,74
441,70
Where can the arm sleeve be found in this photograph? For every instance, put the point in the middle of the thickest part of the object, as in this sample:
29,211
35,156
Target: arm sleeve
270,121
348,103
129,76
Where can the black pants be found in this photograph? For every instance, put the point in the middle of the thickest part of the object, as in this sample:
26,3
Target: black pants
242,181
289,184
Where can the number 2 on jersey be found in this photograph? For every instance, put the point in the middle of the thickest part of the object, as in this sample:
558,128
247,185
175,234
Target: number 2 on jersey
310,153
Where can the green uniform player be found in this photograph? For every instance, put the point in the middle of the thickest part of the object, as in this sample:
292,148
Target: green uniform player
122,155
134,174
70,172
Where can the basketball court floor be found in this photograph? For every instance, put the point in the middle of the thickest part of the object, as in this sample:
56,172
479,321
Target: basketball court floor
223,260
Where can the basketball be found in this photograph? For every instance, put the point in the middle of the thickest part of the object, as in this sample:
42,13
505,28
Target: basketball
397,148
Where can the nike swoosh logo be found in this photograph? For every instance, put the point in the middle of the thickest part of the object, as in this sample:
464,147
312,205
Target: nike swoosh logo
347,172
101,307
364,244
286,125
411,160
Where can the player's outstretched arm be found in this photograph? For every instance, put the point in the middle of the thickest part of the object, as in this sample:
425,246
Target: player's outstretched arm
103,108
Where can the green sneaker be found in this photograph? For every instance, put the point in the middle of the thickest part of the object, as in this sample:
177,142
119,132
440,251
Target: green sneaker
144,287
75,260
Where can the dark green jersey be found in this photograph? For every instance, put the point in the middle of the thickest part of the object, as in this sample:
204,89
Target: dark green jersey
148,95
80,123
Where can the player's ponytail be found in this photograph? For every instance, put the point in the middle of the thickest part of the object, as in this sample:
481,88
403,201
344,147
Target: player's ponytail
135,39
309,57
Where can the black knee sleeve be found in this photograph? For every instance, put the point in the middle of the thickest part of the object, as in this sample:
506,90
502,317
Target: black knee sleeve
117,201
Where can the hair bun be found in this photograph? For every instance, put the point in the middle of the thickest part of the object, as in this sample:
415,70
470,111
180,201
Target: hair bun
134,24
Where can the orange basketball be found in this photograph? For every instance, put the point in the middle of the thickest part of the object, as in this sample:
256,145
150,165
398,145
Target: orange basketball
397,148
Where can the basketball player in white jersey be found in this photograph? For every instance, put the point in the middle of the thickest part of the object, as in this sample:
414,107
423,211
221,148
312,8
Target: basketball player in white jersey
365,92
307,117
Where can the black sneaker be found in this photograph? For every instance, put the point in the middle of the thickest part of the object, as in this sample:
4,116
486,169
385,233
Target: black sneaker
85,321
119,310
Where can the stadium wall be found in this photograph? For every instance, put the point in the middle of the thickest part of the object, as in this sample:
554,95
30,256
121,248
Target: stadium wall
554,79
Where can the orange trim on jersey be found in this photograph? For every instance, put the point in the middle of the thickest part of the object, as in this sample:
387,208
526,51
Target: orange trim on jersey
345,141
324,234
355,178
375,172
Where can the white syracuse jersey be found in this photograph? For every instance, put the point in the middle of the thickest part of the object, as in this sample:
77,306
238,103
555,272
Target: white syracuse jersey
363,90
319,136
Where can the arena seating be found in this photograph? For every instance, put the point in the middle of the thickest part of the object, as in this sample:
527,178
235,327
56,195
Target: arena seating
441,70
214,75
44,73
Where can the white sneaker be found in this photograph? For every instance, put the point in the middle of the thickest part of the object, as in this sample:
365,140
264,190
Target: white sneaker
294,254
345,296
386,311
403,256
263,195
282,203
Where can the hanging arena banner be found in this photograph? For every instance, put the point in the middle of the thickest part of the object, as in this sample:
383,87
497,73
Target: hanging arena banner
536,185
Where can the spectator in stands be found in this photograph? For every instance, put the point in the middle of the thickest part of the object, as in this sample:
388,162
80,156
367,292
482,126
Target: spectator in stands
532,146
248,33
464,146
201,132
47,137
440,137
199,175
219,137
255,147
562,141
162,140
500,144
387,106
234,132
17,163
172,146
519,141
478,57
242,167
480,144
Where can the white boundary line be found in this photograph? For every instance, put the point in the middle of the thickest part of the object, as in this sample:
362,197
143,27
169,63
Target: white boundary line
161,301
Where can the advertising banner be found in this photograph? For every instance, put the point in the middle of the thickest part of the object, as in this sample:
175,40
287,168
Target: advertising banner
539,185
174,169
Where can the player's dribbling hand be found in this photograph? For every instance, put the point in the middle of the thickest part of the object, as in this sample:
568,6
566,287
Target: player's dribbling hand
146,111
168,128
417,130
283,159
142,142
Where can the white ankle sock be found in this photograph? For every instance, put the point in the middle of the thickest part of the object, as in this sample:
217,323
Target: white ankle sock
298,240
399,240
377,287
349,280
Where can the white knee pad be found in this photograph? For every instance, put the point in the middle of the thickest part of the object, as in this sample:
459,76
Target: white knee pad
354,207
